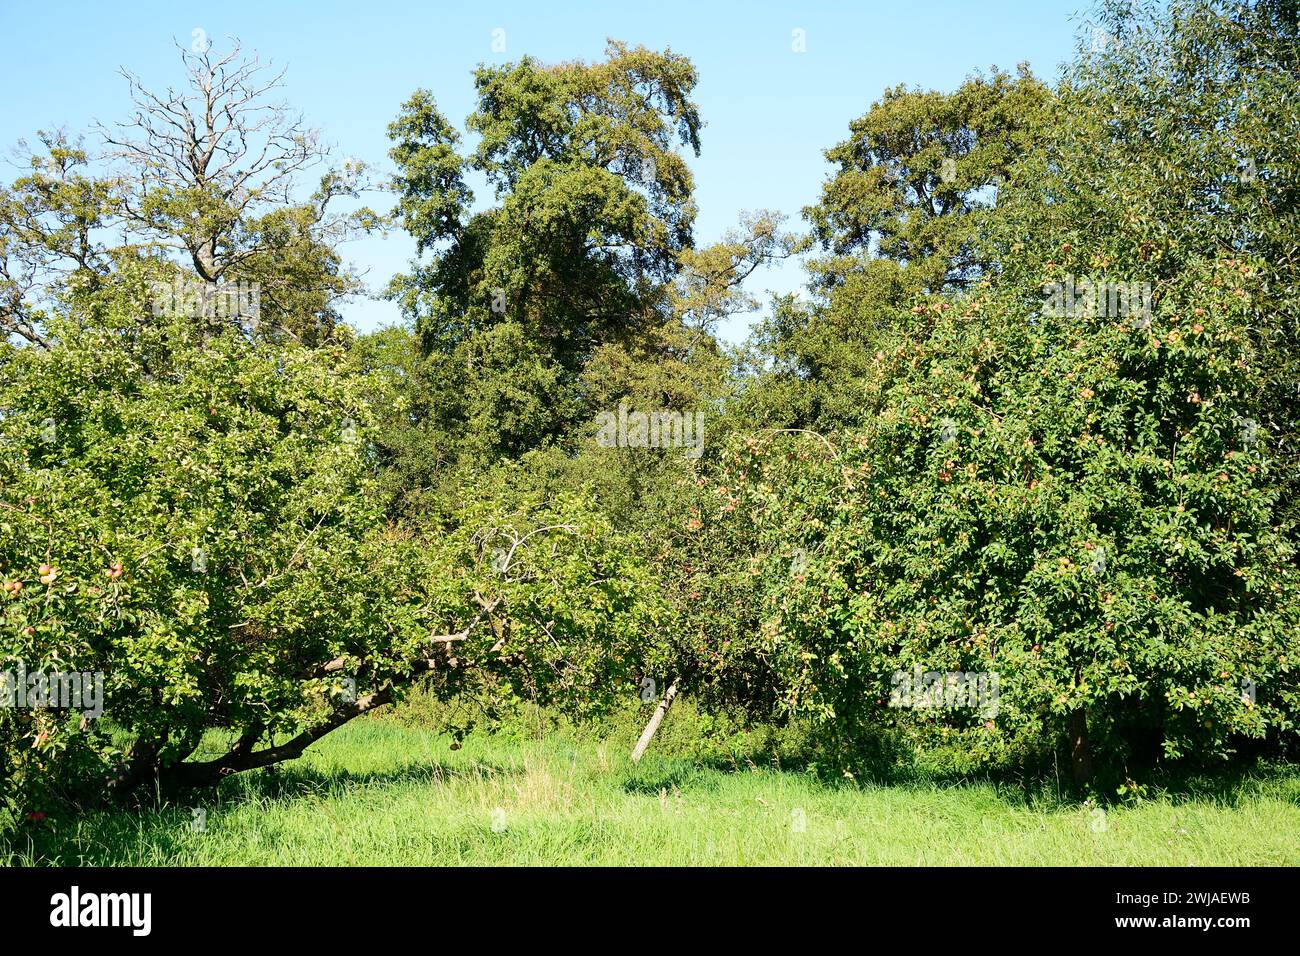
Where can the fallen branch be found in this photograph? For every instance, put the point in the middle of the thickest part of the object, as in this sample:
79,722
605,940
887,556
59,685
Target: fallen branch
655,720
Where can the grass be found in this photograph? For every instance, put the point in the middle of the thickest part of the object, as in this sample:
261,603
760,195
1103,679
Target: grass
381,793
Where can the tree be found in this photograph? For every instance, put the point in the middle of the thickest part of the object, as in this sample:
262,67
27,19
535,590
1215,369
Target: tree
1068,505
914,188
206,179
213,171
49,225
1069,492
191,514
594,206
917,172
1175,138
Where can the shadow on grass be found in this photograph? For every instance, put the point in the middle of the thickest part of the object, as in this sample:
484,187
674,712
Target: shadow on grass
160,832
666,773
1038,782
114,836
299,779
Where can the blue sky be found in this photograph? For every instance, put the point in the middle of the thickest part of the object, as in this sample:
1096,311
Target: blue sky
770,111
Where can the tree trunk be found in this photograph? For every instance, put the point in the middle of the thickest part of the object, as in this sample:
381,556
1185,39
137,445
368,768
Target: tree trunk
143,762
656,719
1080,747
242,757
141,767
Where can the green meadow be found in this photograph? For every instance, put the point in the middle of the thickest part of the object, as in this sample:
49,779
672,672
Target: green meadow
383,793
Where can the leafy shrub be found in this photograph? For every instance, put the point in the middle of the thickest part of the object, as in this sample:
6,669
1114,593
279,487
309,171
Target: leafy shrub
191,514
1070,503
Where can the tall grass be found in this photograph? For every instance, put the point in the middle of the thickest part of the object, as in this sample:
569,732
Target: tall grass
382,792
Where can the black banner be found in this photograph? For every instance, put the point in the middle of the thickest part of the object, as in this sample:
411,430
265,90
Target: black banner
340,906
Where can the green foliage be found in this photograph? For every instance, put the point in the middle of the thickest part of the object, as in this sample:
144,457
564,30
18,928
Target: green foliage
1084,501
913,179
594,209
1068,504
595,204
261,531
208,520
914,189
1176,141
204,508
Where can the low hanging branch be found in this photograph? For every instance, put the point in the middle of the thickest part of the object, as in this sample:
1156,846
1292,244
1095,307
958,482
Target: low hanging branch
209,773
146,766
241,756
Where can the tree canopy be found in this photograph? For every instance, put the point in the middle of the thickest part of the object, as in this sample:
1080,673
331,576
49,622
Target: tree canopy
1013,482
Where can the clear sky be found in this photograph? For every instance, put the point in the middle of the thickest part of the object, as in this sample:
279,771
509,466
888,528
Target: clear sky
769,110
